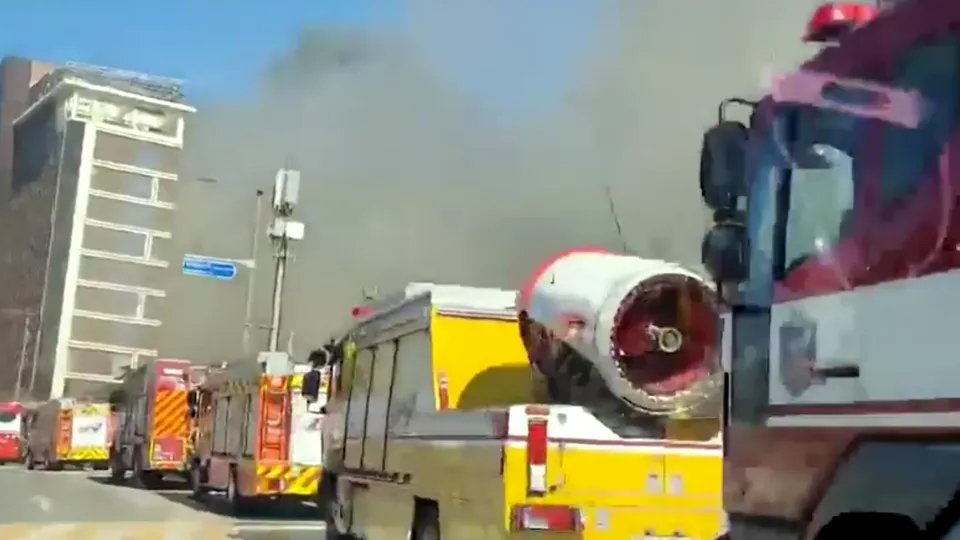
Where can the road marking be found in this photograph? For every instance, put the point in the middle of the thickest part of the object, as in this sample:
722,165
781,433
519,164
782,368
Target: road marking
117,531
279,526
58,473
35,532
43,502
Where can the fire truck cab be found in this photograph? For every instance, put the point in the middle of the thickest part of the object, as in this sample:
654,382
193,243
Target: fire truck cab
257,440
837,244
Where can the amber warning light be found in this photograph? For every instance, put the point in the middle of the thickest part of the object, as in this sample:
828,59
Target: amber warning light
832,21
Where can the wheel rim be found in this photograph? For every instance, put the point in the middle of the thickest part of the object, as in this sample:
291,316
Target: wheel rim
430,532
336,512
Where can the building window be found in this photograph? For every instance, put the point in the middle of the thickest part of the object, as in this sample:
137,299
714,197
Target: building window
35,147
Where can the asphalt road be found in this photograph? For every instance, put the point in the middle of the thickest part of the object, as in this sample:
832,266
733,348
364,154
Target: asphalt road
78,505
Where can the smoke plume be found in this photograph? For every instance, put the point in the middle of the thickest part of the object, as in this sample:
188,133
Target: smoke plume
410,176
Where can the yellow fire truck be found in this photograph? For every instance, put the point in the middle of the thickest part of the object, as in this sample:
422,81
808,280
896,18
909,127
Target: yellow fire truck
433,426
256,441
68,432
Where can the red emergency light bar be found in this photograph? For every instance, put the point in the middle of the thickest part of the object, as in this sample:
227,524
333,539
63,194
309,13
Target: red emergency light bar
13,407
360,312
832,21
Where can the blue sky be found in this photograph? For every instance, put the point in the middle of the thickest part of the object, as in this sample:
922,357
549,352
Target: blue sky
219,47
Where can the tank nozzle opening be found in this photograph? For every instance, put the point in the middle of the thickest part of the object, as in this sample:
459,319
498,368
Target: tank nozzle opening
667,340
663,335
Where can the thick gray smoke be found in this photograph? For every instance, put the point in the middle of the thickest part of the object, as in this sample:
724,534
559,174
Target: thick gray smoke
409,177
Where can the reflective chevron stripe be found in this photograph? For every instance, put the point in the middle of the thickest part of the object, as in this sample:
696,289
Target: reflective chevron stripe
297,480
183,530
86,454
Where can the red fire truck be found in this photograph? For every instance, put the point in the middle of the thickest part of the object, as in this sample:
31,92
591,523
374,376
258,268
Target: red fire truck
256,440
837,242
154,436
11,432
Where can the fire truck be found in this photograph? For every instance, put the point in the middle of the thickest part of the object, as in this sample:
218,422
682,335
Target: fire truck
485,413
195,400
11,431
835,245
154,406
258,440
69,432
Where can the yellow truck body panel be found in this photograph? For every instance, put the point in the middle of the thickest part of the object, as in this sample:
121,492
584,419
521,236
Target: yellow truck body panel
463,447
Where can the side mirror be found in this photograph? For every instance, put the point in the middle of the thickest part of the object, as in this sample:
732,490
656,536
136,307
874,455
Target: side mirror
319,357
117,399
193,404
724,252
723,165
311,385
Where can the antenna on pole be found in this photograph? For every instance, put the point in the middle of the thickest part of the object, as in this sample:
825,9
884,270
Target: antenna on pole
608,192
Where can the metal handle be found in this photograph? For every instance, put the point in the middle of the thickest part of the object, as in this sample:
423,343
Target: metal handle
840,371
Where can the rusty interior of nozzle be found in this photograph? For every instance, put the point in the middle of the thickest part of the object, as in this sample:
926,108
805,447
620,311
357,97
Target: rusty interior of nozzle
673,301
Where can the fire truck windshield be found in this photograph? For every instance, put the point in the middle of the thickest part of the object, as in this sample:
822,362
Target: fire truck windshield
807,159
811,165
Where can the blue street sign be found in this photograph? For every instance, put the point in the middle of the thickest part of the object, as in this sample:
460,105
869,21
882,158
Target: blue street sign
214,268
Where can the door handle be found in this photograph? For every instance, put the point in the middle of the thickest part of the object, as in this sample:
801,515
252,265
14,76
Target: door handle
839,371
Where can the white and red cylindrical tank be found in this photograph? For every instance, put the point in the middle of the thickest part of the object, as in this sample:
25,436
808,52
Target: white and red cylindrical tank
649,329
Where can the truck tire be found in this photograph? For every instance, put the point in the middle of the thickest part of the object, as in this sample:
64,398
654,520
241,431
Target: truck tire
117,472
856,524
117,477
331,533
143,478
332,510
52,464
197,480
426,521
240,505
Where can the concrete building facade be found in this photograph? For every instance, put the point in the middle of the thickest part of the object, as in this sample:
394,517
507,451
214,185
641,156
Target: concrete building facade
26,212
93,190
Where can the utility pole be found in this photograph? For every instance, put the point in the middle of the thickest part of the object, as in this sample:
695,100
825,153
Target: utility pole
252,279
279,274
24,341
283,230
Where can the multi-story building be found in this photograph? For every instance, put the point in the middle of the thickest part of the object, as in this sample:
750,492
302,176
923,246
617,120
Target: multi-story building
18,322
85,228
17,75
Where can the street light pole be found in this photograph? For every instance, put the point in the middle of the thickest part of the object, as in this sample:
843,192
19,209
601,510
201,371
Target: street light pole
251,280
